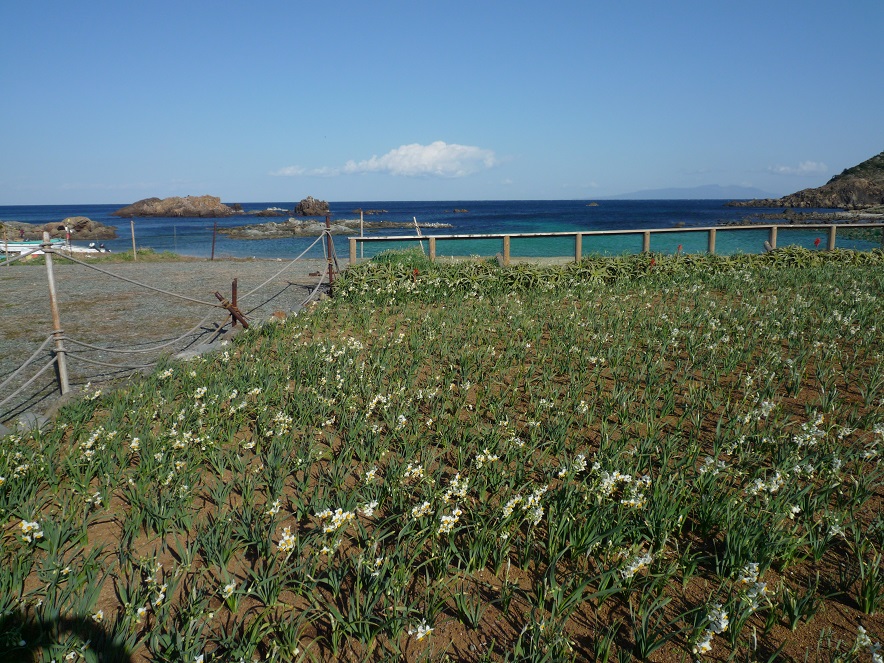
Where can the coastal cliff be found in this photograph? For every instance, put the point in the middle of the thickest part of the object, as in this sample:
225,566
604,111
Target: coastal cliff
856,188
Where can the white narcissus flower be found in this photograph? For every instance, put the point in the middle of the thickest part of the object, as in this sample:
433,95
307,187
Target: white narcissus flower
421,631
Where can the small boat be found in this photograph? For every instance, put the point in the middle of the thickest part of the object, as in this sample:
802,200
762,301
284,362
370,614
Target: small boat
26,245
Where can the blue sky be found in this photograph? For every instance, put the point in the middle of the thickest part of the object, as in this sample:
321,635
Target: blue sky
111,102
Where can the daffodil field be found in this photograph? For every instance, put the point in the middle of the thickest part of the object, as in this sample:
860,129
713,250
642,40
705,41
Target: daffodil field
663,458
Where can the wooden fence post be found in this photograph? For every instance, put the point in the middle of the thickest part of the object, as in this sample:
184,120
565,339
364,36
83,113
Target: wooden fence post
61,366
712,241
329,251
352,251
832,231
132,228
772,237
432,248
578,247
646,242
506,250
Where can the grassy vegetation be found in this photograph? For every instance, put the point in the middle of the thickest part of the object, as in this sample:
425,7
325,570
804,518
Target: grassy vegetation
654,457
872,169
143,255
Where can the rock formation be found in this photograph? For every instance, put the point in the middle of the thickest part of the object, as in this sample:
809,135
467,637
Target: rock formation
312,228
859,187
81,228
311,207
190,206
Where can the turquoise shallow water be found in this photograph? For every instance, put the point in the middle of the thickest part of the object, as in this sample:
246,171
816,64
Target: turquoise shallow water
194,236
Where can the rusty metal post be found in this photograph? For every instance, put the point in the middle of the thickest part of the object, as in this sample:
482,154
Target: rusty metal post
61,366
329,249
233,298
235,313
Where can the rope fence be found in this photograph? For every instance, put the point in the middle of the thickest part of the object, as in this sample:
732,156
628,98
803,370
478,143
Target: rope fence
77,350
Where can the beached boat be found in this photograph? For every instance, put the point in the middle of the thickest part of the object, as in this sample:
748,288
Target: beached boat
26,246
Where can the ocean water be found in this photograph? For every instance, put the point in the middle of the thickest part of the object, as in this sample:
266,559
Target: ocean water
193,237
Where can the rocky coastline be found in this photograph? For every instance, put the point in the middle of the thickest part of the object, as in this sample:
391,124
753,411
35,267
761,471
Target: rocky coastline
858,188
871,215
81,228
311,228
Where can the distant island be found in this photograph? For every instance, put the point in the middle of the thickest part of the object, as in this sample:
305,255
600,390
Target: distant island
858,188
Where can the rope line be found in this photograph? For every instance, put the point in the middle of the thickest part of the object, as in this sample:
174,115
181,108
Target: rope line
27,362
254,290
79,357
28,383
143,285
310,296
145,350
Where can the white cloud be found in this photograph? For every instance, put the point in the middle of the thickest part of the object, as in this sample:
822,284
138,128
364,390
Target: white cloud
804,168
437,159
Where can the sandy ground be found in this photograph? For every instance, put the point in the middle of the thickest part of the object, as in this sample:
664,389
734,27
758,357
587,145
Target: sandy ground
105,311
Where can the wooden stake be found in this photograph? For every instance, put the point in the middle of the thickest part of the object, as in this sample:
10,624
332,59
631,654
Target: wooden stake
61,366
132,227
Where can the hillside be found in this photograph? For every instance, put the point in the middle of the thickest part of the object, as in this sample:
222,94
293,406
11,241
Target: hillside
859,187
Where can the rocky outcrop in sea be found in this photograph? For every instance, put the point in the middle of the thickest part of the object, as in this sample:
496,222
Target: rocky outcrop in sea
189,206
310,206
311,228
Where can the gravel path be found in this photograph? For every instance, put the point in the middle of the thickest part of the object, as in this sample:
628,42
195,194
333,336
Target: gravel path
104,311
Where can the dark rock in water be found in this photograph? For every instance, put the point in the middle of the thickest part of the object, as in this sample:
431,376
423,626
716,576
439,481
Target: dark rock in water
311,207
312,228
188,207
270,212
